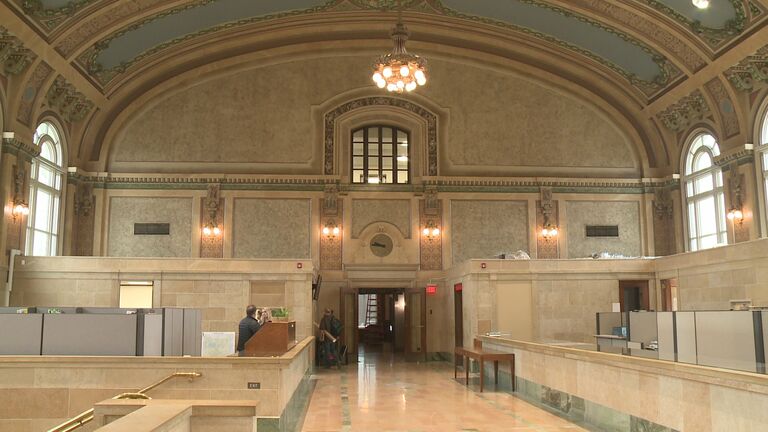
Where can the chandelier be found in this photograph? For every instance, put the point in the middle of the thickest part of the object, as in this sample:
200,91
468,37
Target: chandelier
399,71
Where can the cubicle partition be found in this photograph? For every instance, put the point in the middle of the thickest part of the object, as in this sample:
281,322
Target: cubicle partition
100,331
726,339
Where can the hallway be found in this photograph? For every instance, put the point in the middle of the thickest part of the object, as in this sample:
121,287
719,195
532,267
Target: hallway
383,393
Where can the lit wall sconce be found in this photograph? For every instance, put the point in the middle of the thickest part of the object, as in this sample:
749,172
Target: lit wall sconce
331,230
701,4
735,215
210,229
20,207
549,232
431,231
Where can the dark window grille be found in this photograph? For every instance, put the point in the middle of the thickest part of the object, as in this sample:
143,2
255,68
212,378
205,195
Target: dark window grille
381,155
151,229
602,230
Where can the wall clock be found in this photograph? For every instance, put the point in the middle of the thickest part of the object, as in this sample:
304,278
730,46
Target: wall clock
381,245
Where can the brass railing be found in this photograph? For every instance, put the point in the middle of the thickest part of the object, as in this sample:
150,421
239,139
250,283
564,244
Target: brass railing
87,416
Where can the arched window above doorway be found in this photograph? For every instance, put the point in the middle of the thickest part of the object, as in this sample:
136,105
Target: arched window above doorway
703,191
380,154
45,192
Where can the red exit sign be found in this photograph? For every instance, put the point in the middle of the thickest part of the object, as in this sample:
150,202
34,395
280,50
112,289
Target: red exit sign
431,289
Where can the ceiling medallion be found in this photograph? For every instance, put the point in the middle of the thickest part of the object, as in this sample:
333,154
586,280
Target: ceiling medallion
399,71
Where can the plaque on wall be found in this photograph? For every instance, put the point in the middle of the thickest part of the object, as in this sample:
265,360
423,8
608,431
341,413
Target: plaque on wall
151,229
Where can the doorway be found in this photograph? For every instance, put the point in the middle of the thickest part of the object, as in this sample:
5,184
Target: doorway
458,319
669,295
633,295
388,321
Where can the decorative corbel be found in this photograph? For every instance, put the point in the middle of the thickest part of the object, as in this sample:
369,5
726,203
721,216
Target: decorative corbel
330,200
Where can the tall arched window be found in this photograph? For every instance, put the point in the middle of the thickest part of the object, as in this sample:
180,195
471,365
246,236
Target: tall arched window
380,154
45,186
762,151
704,194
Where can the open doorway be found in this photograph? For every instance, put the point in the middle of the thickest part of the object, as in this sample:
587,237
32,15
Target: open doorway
381,321
633,295
669,295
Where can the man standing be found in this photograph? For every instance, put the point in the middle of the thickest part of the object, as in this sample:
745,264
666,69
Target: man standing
330,330
248,326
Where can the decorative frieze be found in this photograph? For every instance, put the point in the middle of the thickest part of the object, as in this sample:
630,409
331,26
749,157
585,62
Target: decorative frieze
19,148
64,98
13,55
687,110
34,85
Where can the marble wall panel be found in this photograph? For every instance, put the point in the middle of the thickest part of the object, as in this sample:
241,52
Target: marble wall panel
625,214
368,211
483,229
124,212
271,228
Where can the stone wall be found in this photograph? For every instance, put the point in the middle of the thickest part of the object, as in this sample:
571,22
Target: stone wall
625,214
124,212
271,228
483,229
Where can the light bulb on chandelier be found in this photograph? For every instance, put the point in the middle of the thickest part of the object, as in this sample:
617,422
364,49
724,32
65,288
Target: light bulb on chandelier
399,71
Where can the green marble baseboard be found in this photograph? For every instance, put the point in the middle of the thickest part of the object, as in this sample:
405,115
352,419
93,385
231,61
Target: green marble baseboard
293,415
585,413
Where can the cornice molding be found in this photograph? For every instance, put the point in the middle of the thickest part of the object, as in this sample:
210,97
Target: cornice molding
740,156
18,147
681,114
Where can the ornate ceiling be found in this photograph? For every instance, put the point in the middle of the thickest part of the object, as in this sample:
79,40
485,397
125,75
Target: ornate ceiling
637,51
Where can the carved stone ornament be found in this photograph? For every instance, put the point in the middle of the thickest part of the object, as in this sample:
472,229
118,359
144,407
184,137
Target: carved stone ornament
735,183
750,71
546,205
64,98
13,55
680,115
330,199
212,202
662,204
431,202
84,200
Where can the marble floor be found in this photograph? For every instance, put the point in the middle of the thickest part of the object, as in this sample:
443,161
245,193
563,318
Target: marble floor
383,393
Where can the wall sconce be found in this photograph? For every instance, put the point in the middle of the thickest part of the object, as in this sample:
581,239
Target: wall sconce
20,207
210,229
549,232
331,230
735,215
431,230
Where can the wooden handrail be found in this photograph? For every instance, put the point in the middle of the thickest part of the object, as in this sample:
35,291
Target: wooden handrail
87,416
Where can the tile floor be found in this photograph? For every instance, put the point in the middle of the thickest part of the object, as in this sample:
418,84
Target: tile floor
383,393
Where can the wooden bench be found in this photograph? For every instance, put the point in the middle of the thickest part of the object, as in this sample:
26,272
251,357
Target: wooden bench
481,355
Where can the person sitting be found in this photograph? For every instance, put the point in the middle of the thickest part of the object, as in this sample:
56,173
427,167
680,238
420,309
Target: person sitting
254,319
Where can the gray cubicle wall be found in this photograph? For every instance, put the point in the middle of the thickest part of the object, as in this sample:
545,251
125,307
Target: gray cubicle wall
193,337
173,332
94,334
685,326
21,334
152,335
726,339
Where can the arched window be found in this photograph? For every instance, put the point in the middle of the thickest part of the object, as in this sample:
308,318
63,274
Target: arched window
380,154
704,194
45,186
762,151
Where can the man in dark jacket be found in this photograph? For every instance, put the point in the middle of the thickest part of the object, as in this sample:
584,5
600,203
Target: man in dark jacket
248,326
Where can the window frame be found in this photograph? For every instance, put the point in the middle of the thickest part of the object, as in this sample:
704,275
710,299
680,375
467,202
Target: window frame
761,168
693,199
55,217
380,156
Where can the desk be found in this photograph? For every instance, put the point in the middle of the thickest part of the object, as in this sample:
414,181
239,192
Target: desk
482,356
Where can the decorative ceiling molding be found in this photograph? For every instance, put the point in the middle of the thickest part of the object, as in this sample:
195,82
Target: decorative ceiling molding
749,71
13,55
666,73
64,98
35,83
715,38
729,119
17,147
49,18
683,113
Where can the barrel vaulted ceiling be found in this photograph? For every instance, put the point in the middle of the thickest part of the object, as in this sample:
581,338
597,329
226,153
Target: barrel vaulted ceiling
644,48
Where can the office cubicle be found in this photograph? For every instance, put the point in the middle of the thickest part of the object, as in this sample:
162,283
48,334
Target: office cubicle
726,339
100,331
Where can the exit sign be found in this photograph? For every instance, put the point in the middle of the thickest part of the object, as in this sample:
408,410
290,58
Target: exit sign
431,289
254,386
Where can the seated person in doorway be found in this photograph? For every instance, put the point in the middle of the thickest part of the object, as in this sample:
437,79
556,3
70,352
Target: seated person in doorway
330,330
249,325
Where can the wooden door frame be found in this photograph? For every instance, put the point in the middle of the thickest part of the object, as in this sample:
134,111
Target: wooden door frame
458,321
351,350
408,354
643,284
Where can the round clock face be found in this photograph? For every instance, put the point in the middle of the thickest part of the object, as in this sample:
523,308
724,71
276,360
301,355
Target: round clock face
381,245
